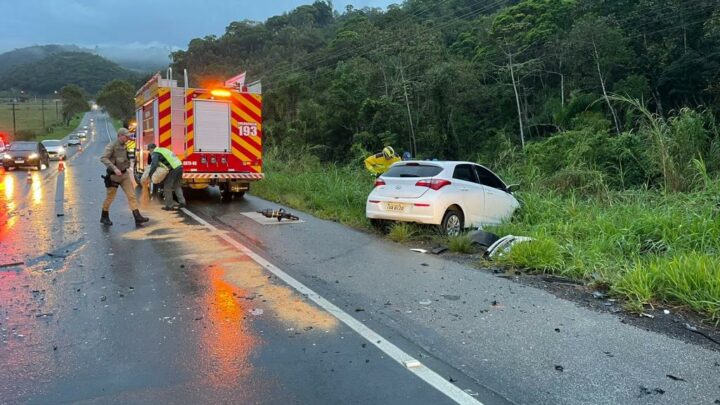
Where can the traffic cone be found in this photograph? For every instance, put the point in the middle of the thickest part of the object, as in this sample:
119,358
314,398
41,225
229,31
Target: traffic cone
61,166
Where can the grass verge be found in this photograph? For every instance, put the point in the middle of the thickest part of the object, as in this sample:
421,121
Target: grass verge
644,246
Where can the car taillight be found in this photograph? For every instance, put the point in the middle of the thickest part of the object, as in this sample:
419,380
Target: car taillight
435,184
379,182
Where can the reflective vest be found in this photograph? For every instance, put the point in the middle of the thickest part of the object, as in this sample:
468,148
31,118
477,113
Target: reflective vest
130,146
169,157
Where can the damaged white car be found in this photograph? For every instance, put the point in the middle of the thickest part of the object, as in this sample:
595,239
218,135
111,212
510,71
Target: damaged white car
451,195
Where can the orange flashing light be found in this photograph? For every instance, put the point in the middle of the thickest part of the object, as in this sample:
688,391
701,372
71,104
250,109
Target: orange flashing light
220,93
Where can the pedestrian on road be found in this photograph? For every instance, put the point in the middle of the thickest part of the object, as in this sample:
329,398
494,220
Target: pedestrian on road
379,163
173,181
115,159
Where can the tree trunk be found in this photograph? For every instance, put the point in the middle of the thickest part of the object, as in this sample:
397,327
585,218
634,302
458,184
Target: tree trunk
602,84
517,100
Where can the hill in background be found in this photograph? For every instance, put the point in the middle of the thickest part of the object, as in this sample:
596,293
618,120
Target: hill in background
50,73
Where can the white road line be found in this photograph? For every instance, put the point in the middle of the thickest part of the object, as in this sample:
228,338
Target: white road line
410,363
107,128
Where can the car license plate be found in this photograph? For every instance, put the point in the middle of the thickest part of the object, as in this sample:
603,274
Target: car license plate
19,161
395,207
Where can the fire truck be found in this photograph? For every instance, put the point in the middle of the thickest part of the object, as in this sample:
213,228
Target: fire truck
216,132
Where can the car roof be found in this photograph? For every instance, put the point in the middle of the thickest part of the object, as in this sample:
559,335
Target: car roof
25,142
442,163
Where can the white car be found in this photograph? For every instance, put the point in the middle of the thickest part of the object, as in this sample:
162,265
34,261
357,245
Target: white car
452,195
73,140
55,149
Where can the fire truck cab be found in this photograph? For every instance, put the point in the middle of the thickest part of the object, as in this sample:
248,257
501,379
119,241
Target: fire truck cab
217,133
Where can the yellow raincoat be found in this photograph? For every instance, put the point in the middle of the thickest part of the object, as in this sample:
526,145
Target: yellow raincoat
377,164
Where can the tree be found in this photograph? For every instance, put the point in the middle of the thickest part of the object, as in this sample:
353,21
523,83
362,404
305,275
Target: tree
73,102
600,47
117,98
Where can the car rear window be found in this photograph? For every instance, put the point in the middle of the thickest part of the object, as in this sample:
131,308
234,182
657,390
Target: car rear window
23,146
413,170
51,143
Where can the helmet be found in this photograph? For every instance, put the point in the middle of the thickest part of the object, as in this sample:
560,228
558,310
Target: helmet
388,152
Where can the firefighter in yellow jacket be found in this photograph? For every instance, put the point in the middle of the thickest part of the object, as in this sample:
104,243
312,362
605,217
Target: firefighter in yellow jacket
379,163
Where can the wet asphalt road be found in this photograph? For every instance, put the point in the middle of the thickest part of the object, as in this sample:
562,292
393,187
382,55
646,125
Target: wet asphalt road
171,312
161,313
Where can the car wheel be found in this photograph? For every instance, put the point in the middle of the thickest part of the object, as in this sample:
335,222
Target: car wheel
453,222
225,194
39,165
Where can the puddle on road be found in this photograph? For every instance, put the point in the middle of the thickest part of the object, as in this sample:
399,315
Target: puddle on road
198,245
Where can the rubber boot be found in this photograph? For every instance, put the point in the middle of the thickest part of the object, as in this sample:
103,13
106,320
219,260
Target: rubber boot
139,219
105,218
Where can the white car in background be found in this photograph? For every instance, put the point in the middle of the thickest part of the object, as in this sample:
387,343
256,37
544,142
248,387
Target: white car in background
452,195
55,149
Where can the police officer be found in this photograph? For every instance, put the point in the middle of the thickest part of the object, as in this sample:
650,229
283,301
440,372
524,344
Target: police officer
116,161
173,181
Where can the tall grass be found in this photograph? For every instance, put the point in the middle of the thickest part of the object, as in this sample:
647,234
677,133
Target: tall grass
646,245
328,191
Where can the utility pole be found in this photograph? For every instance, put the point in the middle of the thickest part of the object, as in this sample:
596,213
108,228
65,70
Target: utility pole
42,108
57,112
13,112
413,145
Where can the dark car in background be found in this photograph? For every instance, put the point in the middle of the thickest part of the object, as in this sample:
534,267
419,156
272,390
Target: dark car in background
26,154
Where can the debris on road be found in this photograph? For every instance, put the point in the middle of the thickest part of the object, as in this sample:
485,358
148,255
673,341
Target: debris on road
706,336
503,245
425,302
598,295
666,312
257,312
646,391
647,315
672,377
439,250
412,363
14,264
560,368
419,251
483,238
280,214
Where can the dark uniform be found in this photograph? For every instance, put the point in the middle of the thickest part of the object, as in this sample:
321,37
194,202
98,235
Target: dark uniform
114,157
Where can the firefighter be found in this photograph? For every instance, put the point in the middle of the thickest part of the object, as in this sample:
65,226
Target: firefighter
173,181
379,163
116,161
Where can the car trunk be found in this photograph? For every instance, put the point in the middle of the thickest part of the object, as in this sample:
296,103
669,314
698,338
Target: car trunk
401,179
397,187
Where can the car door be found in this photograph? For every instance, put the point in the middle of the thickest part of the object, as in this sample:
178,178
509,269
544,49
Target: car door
499,203
470,194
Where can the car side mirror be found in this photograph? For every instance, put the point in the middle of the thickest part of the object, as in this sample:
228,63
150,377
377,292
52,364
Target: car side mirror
512,188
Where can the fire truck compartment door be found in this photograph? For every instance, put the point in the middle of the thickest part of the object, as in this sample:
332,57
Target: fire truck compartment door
212,126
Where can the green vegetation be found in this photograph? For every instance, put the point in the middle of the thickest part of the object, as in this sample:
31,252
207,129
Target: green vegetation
460,244
45,76
73,101
617,192
29,120
31,54
117,98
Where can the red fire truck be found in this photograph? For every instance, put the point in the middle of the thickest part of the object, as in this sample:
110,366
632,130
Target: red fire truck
217,133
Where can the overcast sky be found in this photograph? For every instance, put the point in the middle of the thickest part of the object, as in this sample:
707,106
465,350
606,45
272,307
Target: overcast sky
135,22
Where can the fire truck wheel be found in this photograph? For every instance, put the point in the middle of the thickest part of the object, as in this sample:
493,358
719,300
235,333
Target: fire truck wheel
225,194
239,194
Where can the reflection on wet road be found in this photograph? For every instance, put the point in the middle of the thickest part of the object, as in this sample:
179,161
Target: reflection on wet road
166,312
